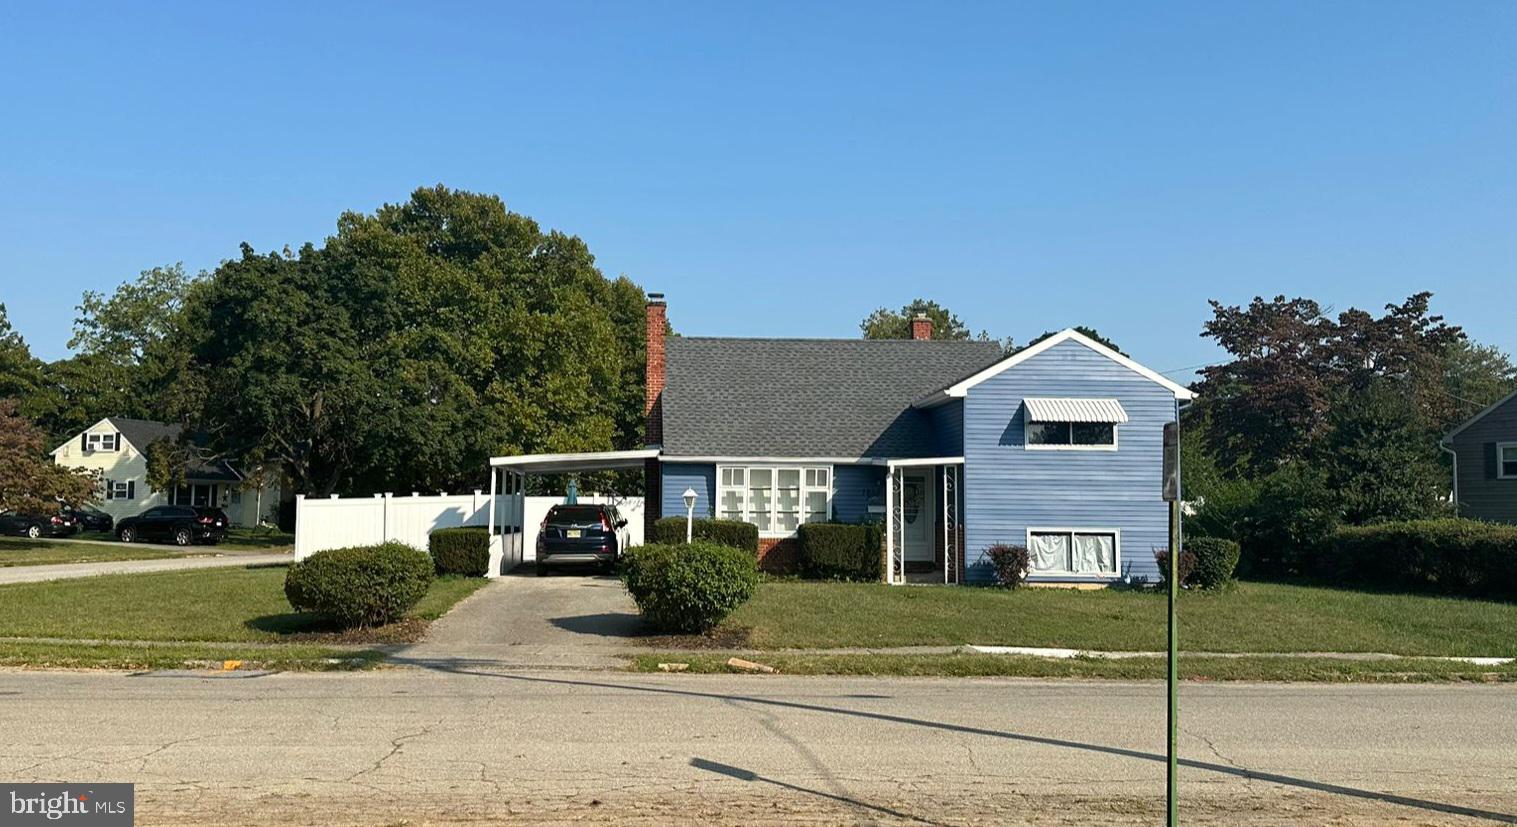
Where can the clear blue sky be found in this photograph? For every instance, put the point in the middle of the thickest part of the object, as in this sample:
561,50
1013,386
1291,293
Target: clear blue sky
784,169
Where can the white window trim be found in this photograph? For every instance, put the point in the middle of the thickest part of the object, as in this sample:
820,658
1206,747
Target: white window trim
774,481
1116,439
96,442
113,486
1501,461
1084,575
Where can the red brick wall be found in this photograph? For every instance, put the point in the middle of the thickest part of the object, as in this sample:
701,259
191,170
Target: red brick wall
921,328
778,555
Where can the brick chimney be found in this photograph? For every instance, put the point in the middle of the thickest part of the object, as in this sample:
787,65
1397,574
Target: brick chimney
921,327
653,388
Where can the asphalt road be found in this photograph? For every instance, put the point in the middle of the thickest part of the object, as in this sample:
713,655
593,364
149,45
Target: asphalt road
445,747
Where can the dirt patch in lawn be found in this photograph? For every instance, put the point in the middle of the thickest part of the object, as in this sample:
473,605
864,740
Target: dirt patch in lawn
721,637
409,630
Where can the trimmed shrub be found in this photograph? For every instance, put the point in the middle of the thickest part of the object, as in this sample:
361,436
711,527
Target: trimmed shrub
1187,565
463,551
688,589
360,586
1215,559
840,551
1011,564
670,531
1296,511
1454,556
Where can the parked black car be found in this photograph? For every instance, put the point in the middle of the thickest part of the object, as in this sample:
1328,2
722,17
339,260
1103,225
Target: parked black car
580,534
91,519
37,525
179,524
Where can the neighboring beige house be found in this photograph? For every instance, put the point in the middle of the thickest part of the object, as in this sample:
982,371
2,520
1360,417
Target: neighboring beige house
116,449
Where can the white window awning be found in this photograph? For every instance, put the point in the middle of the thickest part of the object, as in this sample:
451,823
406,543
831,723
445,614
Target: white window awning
1066,409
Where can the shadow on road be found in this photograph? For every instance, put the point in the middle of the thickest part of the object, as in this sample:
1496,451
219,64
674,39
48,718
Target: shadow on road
460,667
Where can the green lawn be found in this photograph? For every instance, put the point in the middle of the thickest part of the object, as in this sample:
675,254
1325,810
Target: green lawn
237,538
1401,670
24,552
217,605
181,655
1253,617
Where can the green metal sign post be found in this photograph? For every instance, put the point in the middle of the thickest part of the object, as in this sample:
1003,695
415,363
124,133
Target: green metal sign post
1172,495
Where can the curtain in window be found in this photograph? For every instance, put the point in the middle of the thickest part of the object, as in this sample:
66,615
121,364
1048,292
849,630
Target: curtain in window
1095,553
1050,552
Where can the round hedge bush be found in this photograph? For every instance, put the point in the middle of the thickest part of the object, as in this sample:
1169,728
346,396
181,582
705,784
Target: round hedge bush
688,589
1216,558
360,586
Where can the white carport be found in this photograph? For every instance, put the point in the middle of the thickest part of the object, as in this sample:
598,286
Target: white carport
508,477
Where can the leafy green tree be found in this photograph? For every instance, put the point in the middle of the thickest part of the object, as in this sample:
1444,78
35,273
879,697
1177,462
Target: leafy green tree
1381,457
129,355
1272,403
889,324
20,372
1476,376
1088,332
417,342
134,320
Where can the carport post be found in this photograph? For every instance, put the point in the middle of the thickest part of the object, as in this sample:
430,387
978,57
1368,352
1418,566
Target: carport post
493,474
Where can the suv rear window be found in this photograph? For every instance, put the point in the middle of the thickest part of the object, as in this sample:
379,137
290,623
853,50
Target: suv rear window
576,513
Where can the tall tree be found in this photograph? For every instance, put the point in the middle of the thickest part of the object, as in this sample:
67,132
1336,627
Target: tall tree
20,372
1088,332
129,354
415,343
1380,456
29,480
889,324
1476,376
1271,403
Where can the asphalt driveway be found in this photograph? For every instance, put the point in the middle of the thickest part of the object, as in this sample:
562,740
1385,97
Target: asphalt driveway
568,620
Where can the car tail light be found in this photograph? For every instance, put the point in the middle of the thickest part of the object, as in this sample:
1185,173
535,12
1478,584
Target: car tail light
605,522
57,521
206,520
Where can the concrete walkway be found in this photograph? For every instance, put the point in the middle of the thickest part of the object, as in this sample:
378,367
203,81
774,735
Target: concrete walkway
68,571
568,620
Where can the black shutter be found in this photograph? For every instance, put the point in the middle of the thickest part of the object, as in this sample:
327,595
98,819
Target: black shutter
1491,463
108,490
131,489
84,442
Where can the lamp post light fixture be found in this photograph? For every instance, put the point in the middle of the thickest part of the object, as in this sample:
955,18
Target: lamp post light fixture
689,497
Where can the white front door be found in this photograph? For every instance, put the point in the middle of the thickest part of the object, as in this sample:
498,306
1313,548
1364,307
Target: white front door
917,515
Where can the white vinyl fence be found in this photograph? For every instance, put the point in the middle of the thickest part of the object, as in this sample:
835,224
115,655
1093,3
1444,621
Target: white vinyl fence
336,522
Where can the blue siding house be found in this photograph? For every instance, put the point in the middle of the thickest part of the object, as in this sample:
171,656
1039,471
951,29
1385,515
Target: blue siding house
954,445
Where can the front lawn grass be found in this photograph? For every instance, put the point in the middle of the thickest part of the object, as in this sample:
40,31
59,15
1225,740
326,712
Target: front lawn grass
79,655
215,605
237,538
24,552
1192,668
1251,617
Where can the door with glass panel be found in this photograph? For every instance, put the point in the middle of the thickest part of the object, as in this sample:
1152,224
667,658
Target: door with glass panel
917,516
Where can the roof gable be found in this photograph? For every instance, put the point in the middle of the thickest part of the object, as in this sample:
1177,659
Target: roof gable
961,387
1498,405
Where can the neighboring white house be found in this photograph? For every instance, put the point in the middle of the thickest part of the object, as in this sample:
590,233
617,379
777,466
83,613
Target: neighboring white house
116,449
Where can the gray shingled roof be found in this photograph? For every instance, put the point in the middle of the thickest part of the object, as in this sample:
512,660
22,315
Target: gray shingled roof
808,397
144,432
